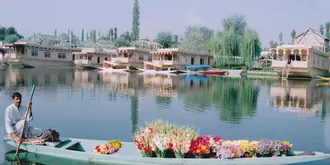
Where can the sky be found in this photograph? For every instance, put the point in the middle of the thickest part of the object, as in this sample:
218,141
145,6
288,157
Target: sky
267,17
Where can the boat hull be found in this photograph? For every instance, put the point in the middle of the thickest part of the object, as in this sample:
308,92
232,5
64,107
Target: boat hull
128,154
39,63
305,72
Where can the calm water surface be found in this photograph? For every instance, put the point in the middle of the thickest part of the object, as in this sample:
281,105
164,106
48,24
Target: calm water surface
88,104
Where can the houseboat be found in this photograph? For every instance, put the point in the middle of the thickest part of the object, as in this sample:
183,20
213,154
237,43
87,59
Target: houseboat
131,58
34,55
174,60
306,57
94,57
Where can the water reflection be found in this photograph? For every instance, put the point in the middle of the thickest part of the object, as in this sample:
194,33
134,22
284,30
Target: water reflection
229,100
297,96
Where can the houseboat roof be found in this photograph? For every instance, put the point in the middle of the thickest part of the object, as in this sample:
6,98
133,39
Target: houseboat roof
33,44
314,31
184,52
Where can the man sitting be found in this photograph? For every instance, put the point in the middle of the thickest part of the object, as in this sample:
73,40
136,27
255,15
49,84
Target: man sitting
14,120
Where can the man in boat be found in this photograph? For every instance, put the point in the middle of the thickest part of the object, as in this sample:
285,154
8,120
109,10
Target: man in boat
15,118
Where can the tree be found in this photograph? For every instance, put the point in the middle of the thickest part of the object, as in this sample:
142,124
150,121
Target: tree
273,44
111,34
165,38
293,34
280,37
327,30
11,31
322,29
237,22
115,35
87,37
11,38
136,21
82,35
55,33
195,38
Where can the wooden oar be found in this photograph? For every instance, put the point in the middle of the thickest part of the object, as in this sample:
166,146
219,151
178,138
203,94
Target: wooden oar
27,112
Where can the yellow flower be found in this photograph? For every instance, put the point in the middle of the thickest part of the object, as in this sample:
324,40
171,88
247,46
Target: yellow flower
287,143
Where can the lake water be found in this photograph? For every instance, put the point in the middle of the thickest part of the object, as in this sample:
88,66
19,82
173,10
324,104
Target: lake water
88,104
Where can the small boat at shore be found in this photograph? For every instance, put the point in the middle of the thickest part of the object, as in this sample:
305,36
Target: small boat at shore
324,78
83,150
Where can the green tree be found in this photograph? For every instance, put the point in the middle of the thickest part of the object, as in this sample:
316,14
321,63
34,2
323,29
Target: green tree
321,29
293,34
195,38
11,38
237,22
166,39
82,35
327,29
136,21
55,33
280,37
111,34
115,35
273,44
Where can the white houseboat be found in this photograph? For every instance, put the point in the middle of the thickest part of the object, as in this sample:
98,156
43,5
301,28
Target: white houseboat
172,60
132,57
94,57
35,55
306,57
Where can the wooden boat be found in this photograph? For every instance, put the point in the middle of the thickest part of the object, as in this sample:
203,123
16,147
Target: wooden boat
196,69
82,150
324,78
215,72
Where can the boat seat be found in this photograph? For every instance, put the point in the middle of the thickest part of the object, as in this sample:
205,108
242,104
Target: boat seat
70,145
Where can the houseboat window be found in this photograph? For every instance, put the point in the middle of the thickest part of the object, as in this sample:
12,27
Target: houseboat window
140,57
61,55
192,61
149,58
208,61
169,58
34,52
47,54
89,58
105,59
201,61
125,55
98,60
73,57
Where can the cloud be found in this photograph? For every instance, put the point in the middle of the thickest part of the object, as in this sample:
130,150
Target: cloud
193,18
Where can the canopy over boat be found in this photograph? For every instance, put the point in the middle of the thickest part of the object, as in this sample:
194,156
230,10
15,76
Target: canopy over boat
82,150
197,67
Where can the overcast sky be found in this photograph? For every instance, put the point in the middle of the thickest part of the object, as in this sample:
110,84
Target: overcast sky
268,17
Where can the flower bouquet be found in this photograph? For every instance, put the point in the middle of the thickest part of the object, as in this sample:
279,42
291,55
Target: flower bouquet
161,139
269,148
286,149
181,139
205,146
109,148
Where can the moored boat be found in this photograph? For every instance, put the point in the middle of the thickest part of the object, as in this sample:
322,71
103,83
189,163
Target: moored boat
196,69
215,72
83,150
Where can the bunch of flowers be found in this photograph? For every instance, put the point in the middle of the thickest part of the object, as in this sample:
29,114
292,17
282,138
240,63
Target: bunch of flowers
158,138
204,146
181,139
229,151
109,148
248,149
286,148
267,148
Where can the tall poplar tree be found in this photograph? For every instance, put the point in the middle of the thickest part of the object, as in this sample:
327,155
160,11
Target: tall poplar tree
136,21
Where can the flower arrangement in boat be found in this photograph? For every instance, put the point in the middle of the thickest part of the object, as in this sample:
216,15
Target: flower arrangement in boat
109,148
160,138
167,140
205,146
